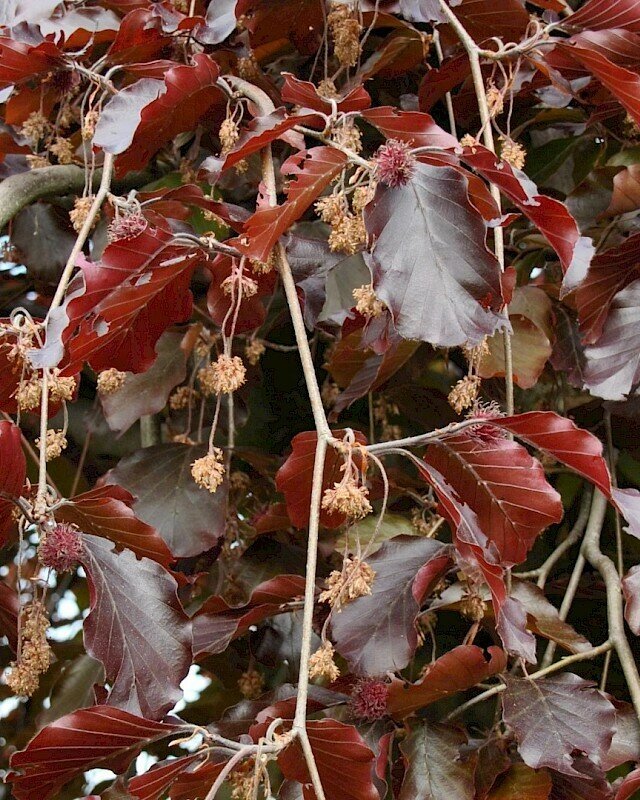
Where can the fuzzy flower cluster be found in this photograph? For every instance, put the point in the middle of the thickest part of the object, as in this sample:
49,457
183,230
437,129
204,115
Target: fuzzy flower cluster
345,31
394,163
183,397
251,684
110,381
247,286
464,393
486,433
126,226
55,443
229,135
353,581
264,267
369,699
223,376
60,548
61,388
512,152
80,211
348,232
347,498
208,471
495,99
63,150
322,665
23,677
253,351
367,303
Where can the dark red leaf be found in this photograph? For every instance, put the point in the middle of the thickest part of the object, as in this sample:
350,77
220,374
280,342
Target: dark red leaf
610,272
626,739
188,518
311,171
217,623
484,19
136,628
504,485
118,309
596,15
198,782
103,736
561,438
412,127
376,633
431,242
299,21
263,130
305,94
437,82
20,62
141,118
631,590
554,716
434,769
344,762
152,784
140,38
13,469
623,84
550,216
479,558
106,512
294,478
459,669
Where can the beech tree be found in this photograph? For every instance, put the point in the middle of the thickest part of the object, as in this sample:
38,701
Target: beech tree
319,357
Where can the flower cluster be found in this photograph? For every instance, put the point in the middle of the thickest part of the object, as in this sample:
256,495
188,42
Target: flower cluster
34,656
394,163
80,211
223,376
208,471
512,152
55,443
183,397
369,699
60,548
254,351
110,381
251,684
367,303
345,31
353,581
322,665
348,232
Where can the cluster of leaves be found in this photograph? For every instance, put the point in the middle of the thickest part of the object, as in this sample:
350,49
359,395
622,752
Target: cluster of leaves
414,252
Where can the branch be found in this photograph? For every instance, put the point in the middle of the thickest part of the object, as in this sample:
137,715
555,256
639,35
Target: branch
324,435
18,191
615,608
487,134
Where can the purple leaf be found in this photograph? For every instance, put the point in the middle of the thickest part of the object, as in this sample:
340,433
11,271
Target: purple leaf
376,633
554,716
136,628
430,242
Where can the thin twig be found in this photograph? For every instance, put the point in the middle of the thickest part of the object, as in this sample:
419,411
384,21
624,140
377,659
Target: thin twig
473,52
447,98
615,608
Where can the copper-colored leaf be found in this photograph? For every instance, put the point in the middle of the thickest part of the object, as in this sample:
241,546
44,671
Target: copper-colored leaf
311,170
459,669
13,468
522,783
217,622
